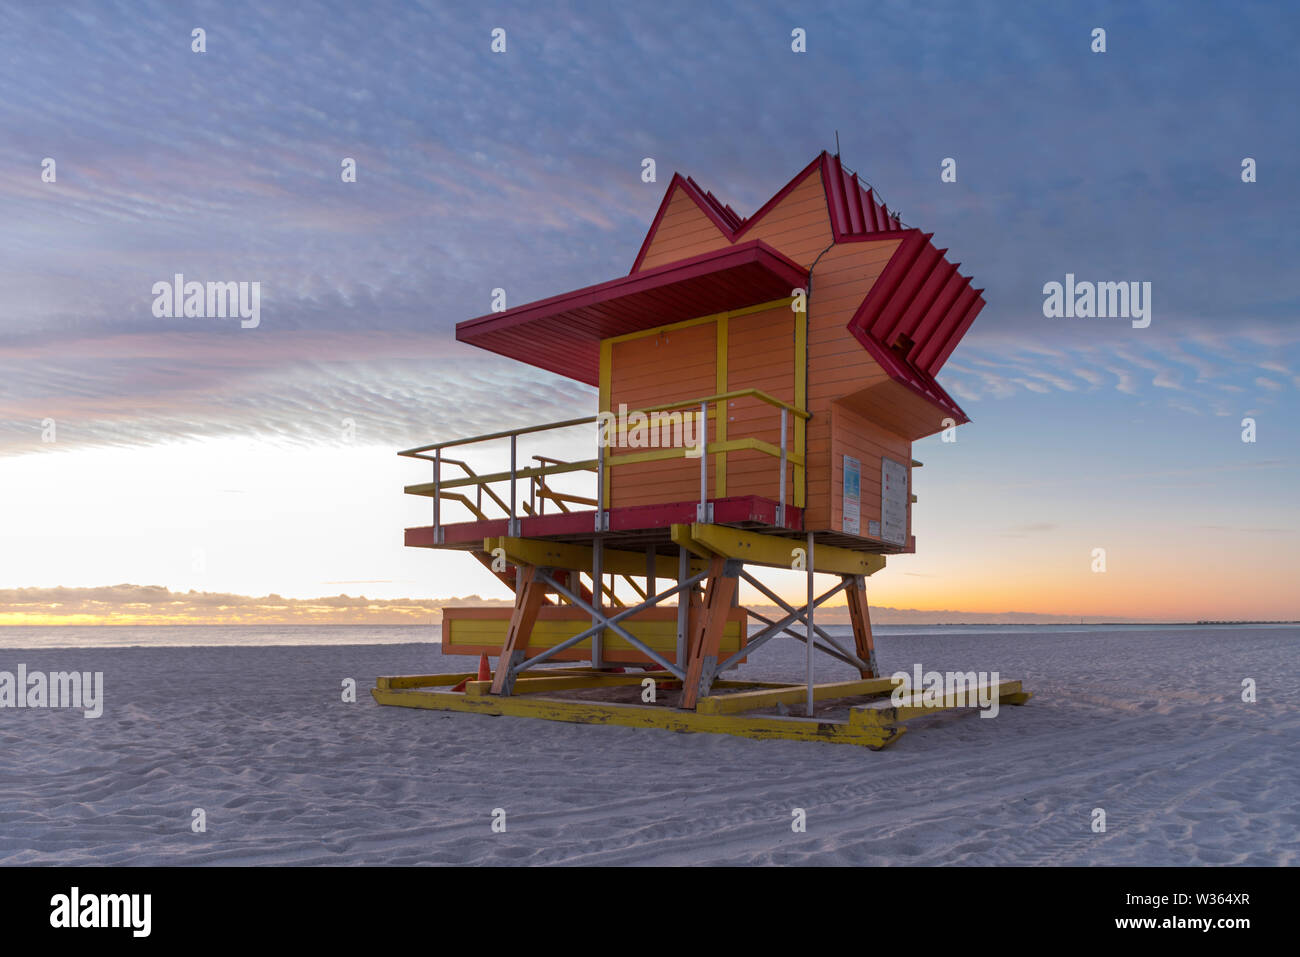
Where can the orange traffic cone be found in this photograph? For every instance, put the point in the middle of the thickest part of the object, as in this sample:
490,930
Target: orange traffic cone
484,673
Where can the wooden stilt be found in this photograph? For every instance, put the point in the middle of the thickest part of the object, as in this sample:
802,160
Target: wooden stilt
529,596
573,579
707,622
856,595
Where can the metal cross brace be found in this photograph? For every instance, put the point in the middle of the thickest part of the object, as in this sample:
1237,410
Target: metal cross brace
802,613
754,642
611,622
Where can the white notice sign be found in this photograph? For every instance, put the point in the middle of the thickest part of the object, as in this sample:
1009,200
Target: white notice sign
852,493
893,501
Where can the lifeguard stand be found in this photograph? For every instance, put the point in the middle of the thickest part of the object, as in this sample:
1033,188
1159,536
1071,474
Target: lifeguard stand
761,382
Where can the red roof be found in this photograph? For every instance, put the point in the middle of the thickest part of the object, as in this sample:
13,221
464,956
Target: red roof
920,295
854,209
919,382
921,299
562,334
910,322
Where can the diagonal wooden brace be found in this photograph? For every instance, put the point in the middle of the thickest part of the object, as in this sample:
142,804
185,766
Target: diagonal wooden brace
707,623
530,592
856,594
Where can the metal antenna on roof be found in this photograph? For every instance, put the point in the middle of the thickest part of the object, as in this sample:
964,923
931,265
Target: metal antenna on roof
837,142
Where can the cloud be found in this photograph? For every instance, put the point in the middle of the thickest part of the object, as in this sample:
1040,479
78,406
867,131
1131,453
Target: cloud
155,605
1027,529
1007,367
523,171
399,390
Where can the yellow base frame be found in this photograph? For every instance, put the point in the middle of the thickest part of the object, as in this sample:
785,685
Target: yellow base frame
873,724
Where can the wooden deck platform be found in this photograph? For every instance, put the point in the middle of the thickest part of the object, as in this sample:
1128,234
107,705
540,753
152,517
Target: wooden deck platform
852,712
643,526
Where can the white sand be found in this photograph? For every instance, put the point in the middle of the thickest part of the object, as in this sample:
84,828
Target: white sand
1147,725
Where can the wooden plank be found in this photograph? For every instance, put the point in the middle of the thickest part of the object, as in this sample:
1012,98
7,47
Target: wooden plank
539,682
419,681
775,552
887,713
760,727
547,554
791,694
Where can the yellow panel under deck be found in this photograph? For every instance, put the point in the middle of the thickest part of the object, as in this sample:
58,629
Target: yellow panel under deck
483,631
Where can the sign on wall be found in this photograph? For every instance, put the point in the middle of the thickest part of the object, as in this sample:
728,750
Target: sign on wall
893,501
852,493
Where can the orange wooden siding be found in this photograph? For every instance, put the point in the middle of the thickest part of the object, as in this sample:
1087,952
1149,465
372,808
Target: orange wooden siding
760,355
651,370
864,440
798,226
837,366
837,363
684,231
682,363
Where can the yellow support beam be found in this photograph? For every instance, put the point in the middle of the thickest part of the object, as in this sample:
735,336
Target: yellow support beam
792,694
681,536
527,684
717,449
773,551
762,727
758,445
653,455
418,681
885,713
530,551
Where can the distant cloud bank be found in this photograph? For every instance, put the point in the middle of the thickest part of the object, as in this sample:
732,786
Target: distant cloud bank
156,605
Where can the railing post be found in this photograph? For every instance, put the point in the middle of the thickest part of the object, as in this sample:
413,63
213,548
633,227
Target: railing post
513,525
437,496
683,606
598,558
701,513
780,508
600,486
812,634
598,600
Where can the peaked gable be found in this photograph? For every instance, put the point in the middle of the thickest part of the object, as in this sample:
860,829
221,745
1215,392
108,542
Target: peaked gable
851,210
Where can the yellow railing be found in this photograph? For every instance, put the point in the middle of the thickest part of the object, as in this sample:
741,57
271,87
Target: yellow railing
540,492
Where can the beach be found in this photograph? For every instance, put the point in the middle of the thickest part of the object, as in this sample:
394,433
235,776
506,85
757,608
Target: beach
1147,725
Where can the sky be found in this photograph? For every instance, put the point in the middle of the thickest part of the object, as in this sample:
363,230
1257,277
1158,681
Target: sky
193,454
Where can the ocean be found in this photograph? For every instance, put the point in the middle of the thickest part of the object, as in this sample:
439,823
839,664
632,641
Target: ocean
206,636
